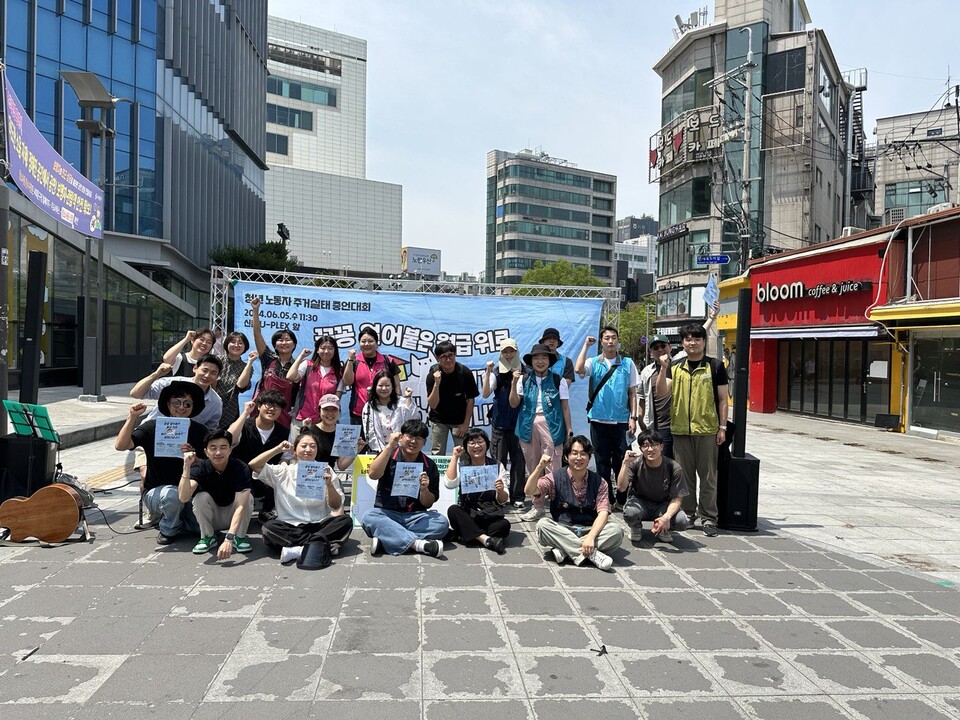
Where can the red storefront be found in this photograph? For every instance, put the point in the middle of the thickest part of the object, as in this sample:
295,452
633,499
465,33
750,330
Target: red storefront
813,349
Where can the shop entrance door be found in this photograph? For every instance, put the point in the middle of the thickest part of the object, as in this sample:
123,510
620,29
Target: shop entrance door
936,380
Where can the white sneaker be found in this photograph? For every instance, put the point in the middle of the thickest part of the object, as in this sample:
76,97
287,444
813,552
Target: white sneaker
601,560
290,554
666,536
374,546
532,514
558,555
636,532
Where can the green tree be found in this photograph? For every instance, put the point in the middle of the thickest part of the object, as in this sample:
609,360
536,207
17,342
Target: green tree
636,322
558,274
267,255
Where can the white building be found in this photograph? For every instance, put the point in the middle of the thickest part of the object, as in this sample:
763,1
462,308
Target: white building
639,252
317,153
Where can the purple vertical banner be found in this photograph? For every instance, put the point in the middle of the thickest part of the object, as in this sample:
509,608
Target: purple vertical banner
41,173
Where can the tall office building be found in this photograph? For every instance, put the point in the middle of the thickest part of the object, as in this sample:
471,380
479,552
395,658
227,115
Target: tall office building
802,119
541,209
633,227
184,173
316,99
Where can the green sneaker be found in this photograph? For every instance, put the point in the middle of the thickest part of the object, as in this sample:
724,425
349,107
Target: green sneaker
204,546
242,544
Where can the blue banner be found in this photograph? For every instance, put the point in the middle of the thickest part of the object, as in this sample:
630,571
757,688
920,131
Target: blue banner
41,173
410,324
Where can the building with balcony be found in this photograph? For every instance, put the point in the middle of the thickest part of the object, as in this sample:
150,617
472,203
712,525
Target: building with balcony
541,209
316,123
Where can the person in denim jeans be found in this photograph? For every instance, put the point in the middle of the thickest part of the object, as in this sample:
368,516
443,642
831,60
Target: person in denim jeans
158,486
399,523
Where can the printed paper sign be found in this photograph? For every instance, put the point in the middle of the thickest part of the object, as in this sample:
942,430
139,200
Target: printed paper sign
478,478
311,484
345,441
712,292
171,433
406,480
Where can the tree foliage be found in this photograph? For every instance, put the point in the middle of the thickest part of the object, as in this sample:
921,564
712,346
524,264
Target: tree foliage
265,256
558,274
636,322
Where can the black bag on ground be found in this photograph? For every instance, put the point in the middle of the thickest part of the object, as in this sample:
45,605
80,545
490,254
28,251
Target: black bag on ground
315,555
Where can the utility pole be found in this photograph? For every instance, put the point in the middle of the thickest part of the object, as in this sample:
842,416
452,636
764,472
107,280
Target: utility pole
745,179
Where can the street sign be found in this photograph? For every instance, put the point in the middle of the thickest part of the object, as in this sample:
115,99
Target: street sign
713,259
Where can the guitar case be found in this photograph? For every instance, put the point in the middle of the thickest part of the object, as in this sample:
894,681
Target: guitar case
51,515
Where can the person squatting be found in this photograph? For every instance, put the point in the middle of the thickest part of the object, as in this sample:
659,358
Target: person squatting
210,466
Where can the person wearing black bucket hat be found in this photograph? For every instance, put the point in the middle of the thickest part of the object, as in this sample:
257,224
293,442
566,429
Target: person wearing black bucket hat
206,373
178,399
562,366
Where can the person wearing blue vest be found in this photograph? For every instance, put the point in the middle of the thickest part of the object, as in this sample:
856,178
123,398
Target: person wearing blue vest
578,526
544,420
564,365
612,402
497,381
398,523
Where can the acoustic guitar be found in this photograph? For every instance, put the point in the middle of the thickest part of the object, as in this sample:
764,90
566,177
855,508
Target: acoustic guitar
51,514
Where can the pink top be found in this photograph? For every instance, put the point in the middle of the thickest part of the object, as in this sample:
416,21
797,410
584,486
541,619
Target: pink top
363,378
315,385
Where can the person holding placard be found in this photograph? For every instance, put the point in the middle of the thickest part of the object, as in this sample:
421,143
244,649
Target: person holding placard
158,484
497,381
385,412
479,512
206,372
326,434
301,520
276,363
220,488
578,526
408,484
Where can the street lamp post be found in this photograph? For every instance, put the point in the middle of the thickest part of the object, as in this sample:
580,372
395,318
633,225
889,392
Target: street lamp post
91,94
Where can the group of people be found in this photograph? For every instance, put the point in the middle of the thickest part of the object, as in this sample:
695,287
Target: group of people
234,457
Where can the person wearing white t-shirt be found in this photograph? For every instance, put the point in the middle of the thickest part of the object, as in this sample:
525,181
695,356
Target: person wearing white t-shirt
301,520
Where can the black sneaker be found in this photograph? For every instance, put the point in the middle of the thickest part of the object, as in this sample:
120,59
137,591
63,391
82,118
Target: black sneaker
432,548
164,539
710,530
495,544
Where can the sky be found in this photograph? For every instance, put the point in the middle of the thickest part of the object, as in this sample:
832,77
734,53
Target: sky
449,80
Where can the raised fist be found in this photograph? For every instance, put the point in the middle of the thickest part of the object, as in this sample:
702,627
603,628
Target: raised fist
136,409
545,461
252,356
189,458
408,392
664,360
285,446
394,438
255,303
631,455
249,406
591,340
191,335
457,452
164,369
489,365
424,480
352,355
517,375
437,375
305,353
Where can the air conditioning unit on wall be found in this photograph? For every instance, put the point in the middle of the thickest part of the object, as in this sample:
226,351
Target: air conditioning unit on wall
941,207
848,231
894,215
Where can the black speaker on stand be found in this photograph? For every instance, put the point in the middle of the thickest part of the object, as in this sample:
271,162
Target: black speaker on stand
738,474
26,465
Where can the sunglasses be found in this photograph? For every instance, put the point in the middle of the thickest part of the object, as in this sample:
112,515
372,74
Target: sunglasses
185,404
658,346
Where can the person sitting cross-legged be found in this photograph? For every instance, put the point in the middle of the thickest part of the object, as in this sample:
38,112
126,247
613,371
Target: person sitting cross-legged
478,515
300,520
220,488
578,526
398,523
655,487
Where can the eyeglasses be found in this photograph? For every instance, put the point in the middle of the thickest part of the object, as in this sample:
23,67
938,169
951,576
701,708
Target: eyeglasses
185,404
269,406
578,453
477,441
447,356
658,346
649,445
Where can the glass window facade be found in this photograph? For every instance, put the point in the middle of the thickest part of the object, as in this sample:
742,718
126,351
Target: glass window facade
543,211
530,172
692,199
305,59
678,255
786,70
279,144
289,117
543,248
914,195
297,90
690,94
540,193
541,229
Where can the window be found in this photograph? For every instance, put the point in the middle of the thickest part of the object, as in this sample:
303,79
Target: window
290,117
542,211
304,59
601,238
316,94
539,193
602,204
278,144
819,178
541,229
915,196
817,234
603,186
544,175
785,70
692,199
598,254
602,221
690,94
798,116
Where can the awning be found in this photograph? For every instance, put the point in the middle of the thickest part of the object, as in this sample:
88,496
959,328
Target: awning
822,332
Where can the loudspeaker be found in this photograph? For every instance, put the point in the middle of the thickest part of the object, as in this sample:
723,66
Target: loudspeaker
26,465
738,486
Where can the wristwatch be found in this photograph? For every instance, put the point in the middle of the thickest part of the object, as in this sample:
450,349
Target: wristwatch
229,536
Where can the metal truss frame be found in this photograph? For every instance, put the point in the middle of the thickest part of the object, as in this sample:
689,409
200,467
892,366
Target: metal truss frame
222,280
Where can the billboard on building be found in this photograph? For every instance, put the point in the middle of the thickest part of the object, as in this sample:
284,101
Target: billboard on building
420,261
41,173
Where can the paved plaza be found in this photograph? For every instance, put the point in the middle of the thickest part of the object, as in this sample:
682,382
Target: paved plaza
842,606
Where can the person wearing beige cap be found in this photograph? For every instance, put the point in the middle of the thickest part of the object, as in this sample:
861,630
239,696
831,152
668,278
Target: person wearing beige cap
326,432
505,445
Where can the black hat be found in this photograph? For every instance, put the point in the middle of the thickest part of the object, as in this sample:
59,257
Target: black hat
540,349
552,333
181,387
